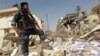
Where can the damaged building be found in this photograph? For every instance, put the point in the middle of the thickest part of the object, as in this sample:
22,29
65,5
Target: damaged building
80,22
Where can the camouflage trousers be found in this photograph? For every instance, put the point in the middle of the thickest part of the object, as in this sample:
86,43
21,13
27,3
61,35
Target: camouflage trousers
24,40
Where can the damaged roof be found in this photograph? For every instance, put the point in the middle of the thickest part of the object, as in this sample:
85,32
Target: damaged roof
7,12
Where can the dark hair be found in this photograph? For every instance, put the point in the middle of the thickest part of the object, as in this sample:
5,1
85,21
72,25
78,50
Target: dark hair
23,3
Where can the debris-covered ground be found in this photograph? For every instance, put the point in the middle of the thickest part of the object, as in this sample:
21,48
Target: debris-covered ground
65,48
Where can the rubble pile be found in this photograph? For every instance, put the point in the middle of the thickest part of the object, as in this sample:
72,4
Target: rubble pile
77,48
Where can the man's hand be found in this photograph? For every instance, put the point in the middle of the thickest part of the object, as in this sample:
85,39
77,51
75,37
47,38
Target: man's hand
17,30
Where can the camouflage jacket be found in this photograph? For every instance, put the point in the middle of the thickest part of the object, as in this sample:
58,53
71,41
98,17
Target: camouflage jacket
22,21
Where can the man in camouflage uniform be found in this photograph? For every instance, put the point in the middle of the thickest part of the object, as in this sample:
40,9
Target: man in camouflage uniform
24,27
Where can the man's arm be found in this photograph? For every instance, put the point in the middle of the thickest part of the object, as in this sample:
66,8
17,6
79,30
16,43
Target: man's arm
16,30
13,24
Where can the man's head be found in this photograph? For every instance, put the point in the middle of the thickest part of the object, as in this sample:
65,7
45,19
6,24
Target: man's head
24,6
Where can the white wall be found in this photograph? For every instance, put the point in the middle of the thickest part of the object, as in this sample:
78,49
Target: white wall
1,37
5,22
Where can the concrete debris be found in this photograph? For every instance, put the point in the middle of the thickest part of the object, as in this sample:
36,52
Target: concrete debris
96,28
48,52
14,52
75,49
33,54
34,38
